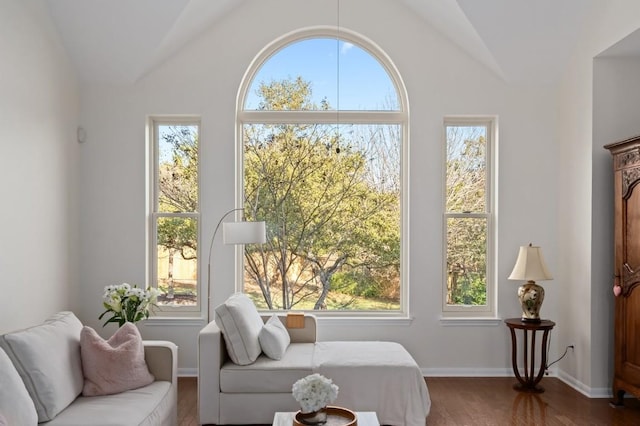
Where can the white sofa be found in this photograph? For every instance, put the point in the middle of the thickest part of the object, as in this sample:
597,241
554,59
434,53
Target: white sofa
42,379
372,376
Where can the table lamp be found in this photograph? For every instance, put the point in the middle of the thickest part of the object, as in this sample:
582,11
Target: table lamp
531,267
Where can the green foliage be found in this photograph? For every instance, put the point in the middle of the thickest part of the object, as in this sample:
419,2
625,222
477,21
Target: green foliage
471,290
178,190
178,170
466,236
312,184
178,234
356,284
287,95
177,193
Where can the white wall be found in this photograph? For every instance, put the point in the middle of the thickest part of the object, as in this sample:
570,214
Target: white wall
553,174
203,79
593,110
38,118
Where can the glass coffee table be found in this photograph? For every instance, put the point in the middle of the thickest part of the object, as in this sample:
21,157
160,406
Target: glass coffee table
364,418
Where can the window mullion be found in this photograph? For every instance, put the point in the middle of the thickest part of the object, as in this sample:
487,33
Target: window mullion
472,215
322,117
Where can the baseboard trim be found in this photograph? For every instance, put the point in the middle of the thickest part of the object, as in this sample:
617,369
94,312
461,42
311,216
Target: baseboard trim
508,372
584,389
187,372
467,372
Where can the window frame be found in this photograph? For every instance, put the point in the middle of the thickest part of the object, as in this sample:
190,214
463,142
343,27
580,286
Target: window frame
490,122
153,123
397,117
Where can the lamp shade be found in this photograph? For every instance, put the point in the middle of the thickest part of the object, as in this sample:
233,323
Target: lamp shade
244,232
530,265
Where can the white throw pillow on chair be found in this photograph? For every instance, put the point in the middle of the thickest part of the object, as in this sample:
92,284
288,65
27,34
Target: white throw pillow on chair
274,338
241,324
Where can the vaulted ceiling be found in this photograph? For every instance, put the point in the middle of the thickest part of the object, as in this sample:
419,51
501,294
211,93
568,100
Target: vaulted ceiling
119,41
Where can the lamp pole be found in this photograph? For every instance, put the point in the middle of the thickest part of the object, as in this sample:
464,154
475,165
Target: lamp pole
209,262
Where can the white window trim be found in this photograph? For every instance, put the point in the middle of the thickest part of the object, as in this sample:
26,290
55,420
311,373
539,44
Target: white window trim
169,312
489,311
400,117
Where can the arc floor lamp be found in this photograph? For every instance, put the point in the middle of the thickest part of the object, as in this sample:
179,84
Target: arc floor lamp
242,232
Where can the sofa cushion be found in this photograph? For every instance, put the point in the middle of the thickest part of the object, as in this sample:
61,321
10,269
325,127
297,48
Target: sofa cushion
16,406
47,357
240,323
146,406
115,365
274,338
268,375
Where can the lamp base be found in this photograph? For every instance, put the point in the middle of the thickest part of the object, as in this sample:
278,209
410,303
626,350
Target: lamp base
531,296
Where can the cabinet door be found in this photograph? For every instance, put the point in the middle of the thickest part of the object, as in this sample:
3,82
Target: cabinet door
629,311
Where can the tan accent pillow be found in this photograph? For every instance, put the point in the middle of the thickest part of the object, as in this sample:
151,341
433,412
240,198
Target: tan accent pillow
115,365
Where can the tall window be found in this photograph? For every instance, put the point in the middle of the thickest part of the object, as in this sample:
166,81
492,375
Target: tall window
323,132
175,214
469,285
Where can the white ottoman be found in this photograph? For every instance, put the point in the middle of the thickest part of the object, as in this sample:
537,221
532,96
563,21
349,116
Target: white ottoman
375,376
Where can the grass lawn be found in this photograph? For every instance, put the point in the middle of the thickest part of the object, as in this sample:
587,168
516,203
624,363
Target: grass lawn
334,301
185,294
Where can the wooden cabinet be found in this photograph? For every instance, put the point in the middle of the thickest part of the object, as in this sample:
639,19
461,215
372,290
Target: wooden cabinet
626,165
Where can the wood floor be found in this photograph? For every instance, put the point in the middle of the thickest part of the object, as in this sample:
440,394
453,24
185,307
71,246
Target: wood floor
479,401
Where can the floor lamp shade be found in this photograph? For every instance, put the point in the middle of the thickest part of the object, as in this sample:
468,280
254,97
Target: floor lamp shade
244,233
531,267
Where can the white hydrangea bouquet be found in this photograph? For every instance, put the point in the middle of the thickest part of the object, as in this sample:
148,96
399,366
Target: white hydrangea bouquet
314,392
128,303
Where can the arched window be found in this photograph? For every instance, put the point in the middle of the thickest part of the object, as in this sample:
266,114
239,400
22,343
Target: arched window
322,122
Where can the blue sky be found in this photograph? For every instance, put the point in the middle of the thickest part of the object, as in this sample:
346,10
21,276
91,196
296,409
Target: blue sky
364,83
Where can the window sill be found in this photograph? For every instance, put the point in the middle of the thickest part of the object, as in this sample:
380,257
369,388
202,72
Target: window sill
364,321
354,319
324,319
470,322
175,321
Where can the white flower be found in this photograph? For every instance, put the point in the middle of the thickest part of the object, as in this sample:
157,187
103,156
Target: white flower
127,303
113,302
135,292
314,392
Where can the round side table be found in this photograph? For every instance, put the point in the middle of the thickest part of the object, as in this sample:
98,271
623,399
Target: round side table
528,382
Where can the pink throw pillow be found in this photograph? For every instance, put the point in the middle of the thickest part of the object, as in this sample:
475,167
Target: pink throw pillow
115,365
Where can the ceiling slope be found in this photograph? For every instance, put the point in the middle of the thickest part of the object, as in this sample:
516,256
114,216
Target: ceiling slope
530,40
119,41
